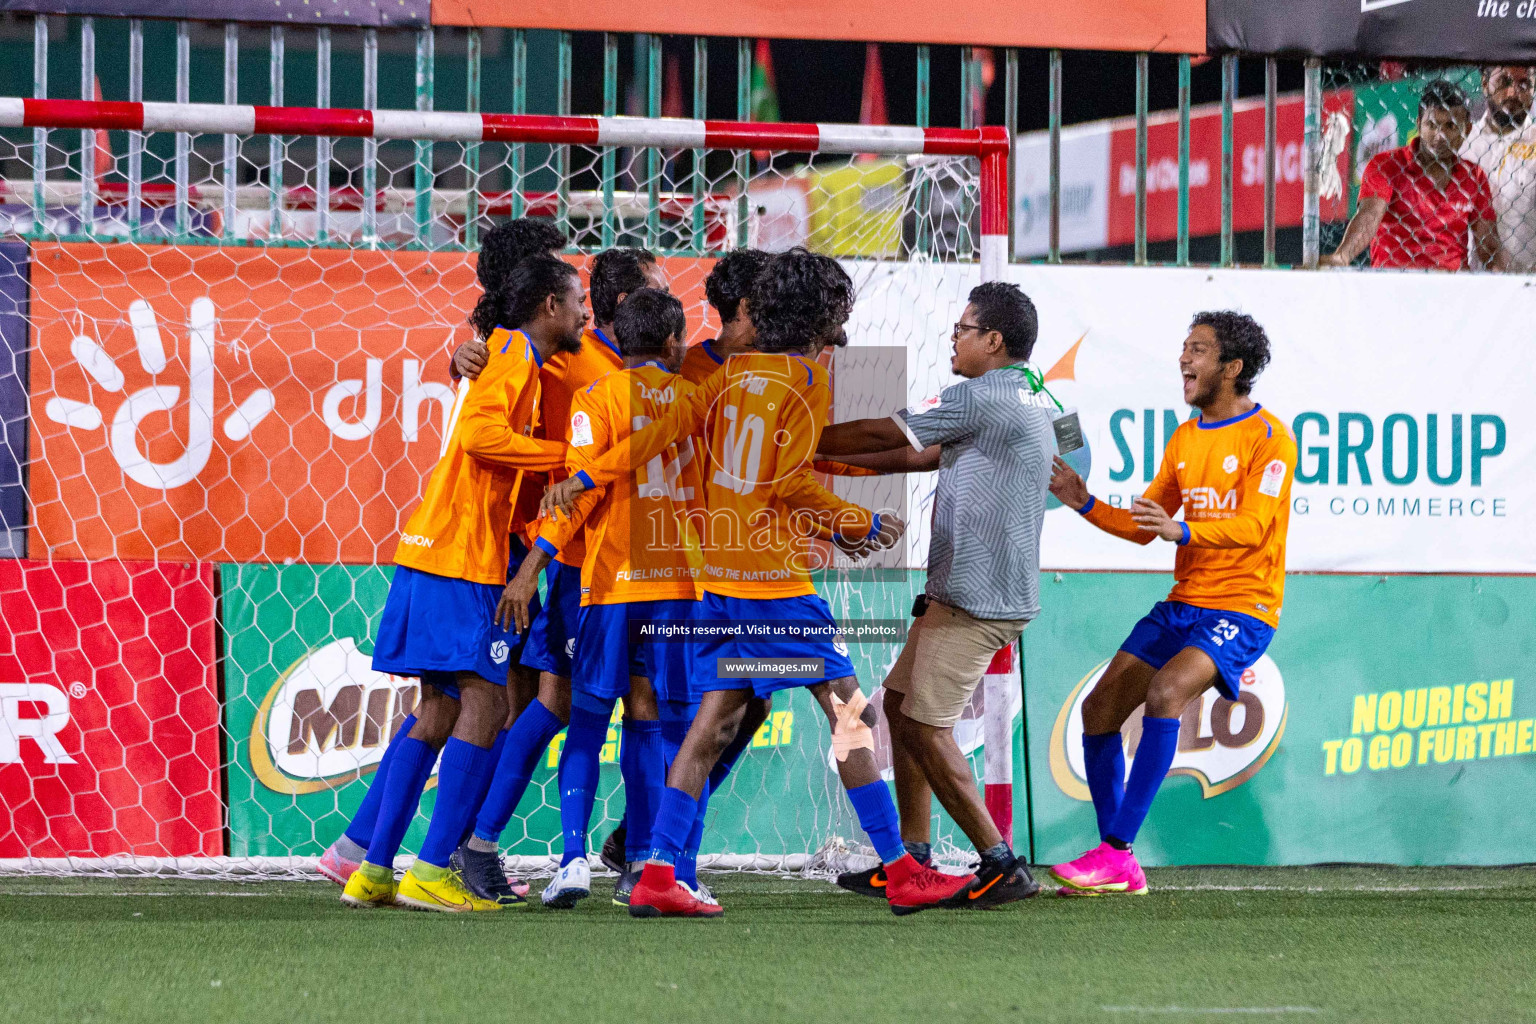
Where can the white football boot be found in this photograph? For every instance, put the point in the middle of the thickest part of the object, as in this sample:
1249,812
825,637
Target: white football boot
571,885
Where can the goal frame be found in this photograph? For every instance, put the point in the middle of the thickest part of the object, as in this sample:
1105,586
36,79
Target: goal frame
989,145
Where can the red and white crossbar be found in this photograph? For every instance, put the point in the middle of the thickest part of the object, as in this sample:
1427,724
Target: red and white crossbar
443,126
989,144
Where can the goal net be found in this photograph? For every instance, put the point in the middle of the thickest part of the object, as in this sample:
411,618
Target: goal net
224,347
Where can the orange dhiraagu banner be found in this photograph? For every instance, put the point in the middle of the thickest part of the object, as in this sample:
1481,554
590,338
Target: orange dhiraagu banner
1167,26
243,404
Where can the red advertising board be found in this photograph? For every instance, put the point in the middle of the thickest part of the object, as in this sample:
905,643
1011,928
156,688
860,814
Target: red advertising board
1205,170
109,710
241,405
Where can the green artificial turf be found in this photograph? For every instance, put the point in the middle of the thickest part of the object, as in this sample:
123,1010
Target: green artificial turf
1214,943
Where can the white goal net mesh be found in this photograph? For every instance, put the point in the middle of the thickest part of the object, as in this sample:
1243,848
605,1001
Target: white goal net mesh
223,382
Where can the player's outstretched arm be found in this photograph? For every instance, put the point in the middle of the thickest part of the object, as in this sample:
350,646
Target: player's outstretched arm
485,422
1071,490
468,360
512,609
861,437
591,436
680,421
899,460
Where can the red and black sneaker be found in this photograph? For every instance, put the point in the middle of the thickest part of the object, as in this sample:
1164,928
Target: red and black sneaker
658,894
997,884
912,887
866,883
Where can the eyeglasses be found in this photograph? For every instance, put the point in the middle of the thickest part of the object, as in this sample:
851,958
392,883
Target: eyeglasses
963,326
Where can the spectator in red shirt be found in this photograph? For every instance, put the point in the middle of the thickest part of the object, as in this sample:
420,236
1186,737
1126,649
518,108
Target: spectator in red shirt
1419,204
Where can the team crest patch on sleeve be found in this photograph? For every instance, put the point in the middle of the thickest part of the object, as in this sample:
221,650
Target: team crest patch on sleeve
581,430
1274,479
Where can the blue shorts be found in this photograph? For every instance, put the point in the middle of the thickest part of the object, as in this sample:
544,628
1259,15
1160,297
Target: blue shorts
1233,640
435,627
808,610
552,633
608,658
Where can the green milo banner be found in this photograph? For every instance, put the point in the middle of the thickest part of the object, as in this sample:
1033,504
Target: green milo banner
1392,721
309,719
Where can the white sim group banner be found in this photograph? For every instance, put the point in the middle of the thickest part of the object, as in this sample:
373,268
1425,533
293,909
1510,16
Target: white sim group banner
1410,394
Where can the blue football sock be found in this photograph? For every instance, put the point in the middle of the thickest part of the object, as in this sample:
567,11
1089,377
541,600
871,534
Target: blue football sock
460,781
728,758
629,768
402,793
526,740
360,828
1104,760
1154,756
687,863
485,784
644,767
584,739
877,815
673,731
674,819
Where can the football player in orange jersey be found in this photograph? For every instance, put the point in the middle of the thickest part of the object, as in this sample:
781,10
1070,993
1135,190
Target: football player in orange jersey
548,643
765,411
638,574
1230,470
727,288
501,248
437,623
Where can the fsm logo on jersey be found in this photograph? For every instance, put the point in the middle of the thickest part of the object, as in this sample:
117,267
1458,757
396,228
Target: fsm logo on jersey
1222,743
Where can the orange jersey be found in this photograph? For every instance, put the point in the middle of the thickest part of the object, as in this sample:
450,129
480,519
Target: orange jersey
700,363
461,527
1233,480
640,545
563,375
763,415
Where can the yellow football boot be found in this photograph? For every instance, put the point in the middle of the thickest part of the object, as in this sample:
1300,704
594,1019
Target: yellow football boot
365,890
446,894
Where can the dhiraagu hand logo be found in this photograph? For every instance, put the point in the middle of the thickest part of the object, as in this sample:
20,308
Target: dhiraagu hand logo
1222,743
102,368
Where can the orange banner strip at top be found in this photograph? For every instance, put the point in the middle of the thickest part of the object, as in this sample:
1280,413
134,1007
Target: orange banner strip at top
1165,26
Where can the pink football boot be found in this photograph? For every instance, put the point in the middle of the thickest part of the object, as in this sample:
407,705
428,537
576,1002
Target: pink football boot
1102,871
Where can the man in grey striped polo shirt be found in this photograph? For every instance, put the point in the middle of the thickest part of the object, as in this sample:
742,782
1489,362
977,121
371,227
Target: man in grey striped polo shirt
990,438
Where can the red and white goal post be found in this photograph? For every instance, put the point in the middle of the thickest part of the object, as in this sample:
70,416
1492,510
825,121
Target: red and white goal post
304,415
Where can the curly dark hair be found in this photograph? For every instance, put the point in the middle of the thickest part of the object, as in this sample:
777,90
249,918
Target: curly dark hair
1004,308
506,245
517,301
1241,337
800,298
646,319
616,272
731,280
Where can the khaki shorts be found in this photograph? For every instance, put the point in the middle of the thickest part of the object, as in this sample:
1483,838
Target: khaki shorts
946,654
